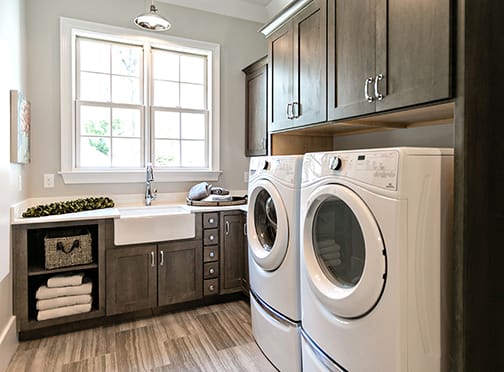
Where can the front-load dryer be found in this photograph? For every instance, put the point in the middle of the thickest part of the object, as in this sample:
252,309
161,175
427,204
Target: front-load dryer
273,240
375,232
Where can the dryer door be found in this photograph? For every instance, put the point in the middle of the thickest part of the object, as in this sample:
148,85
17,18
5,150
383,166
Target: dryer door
343,251
268,227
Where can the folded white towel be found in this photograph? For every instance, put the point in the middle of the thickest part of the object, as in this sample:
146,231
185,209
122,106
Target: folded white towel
63,311
44,293
53,303
65,280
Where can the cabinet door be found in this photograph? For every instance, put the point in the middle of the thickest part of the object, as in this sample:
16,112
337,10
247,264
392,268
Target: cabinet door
310,65
417,66
351,48
280,73
231,252
256,118
180,275
131,278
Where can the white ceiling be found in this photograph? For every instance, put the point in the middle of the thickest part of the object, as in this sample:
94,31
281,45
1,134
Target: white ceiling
253,10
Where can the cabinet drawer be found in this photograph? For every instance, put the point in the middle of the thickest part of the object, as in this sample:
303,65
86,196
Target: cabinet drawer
211,253
210,287
211,270
211,236
210,220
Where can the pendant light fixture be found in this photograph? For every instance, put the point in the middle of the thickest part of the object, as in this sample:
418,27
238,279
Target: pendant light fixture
152,21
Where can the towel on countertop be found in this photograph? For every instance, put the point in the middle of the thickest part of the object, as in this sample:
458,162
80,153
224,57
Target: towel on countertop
199,191
65,280
63,311
52,303
44,292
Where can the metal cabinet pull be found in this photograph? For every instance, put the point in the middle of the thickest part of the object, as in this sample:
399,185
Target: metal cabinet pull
245,229
211,220
211,238
212,254
161,262
153,258
368,81
289,111
377,93
211,287
295,110
212,270
226,229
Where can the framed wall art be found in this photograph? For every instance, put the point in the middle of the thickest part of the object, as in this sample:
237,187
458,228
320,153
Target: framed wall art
20,128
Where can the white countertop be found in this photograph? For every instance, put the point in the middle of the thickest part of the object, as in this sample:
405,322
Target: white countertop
120,201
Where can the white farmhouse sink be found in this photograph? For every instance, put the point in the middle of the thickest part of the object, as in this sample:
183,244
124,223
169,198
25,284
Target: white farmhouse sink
153,224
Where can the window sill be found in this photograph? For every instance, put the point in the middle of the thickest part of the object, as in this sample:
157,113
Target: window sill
136,176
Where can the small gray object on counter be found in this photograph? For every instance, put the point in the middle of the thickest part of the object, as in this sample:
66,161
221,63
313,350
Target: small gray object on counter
202,190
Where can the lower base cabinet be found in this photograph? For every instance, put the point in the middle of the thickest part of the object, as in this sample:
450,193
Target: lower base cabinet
146,276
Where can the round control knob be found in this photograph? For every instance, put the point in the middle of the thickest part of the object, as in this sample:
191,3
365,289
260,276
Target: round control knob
335,163
212,254
264,164
212,270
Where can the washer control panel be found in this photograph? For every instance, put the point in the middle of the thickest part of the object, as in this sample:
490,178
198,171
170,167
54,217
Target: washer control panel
377,168
284,168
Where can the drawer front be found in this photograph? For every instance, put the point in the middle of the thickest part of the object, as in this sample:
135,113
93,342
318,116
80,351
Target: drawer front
210,220
211,236
210,287
211,270
211,253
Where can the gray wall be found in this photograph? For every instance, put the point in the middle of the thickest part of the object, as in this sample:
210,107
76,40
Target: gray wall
240,43
12,76
428,136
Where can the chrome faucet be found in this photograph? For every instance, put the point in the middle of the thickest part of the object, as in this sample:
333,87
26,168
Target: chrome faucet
150,194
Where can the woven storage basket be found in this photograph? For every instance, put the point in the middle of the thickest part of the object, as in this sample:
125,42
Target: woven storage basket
67,251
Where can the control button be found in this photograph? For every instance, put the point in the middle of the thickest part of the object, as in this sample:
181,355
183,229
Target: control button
265,164
335,163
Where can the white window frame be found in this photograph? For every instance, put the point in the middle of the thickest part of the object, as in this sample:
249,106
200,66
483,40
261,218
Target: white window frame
69,30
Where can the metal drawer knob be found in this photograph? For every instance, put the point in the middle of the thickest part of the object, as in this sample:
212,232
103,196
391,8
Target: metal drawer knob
212,254
211,287
211,237
212,270
211,220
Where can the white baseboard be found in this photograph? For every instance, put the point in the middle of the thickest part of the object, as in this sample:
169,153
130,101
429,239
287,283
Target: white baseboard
8,343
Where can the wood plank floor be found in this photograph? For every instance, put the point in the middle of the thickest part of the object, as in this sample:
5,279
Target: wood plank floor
212,338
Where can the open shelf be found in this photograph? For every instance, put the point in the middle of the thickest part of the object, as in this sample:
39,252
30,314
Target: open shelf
37,269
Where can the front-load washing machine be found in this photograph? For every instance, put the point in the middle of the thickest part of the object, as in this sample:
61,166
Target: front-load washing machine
375,233
273,240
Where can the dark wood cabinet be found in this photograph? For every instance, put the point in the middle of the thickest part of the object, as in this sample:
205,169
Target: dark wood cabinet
256,115
231,257
297,70
245,277
179,272
387,54
131,278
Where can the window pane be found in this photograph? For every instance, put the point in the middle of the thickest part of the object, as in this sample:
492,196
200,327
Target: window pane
193,126
167,153
126,122
126,152
166,124
125,90
192,96
95,121
94,87
165,65
166,94
192,69
95,152
94,56
193,153
126,60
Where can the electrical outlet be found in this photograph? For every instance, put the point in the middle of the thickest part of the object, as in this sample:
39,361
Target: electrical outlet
245,177
48,180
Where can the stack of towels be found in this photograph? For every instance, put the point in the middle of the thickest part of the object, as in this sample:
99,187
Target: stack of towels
64,295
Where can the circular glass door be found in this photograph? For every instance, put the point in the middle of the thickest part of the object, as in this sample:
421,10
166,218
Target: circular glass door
343,251
268,226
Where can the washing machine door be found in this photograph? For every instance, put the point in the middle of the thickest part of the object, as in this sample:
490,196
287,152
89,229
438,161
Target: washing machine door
268,227
343,251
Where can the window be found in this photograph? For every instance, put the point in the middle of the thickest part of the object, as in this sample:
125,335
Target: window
129,98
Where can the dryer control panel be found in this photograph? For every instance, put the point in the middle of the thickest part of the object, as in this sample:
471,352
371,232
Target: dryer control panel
286,169
377,168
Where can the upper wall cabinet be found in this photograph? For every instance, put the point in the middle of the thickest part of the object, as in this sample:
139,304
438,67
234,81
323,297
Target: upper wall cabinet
297,70
387,54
